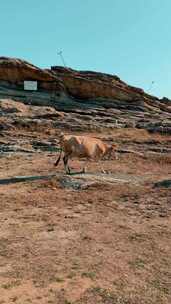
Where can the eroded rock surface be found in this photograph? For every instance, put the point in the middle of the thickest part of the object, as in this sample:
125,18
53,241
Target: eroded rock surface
76,100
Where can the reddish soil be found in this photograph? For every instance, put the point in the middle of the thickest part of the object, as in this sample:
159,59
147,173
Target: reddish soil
107,244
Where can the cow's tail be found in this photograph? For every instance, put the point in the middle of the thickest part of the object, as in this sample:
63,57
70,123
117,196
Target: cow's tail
58,160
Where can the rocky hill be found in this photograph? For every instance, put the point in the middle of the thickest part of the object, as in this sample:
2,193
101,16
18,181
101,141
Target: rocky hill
87,100
83,238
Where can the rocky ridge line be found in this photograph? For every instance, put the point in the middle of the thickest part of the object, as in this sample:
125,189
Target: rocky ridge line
86,99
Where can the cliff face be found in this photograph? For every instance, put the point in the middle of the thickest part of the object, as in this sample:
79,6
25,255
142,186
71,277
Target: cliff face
87,85
89,99
15,71
78,84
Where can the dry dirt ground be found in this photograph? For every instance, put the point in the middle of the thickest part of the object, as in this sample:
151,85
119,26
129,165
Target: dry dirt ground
108,242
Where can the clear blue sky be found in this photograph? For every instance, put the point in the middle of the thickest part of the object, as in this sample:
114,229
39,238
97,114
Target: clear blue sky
129,38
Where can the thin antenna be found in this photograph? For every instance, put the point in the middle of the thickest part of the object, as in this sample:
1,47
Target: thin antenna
62,58
151,85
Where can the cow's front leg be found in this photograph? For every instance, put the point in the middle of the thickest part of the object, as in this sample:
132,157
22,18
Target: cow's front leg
84,170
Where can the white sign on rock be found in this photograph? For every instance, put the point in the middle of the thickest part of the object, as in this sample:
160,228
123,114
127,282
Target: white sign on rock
30,85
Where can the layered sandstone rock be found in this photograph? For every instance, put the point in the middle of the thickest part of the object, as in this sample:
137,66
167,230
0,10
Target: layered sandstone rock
77,84
15,71
91,85
90,100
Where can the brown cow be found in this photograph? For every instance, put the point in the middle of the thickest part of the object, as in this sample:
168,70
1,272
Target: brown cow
82,147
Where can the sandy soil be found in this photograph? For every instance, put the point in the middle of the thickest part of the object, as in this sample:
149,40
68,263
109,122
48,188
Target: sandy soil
108,243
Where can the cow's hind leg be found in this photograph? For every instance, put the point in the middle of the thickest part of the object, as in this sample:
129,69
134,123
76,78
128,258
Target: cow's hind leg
58,160
65,160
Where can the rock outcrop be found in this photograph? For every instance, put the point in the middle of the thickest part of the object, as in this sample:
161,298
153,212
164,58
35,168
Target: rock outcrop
15,71
77,84
89,100
88,85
